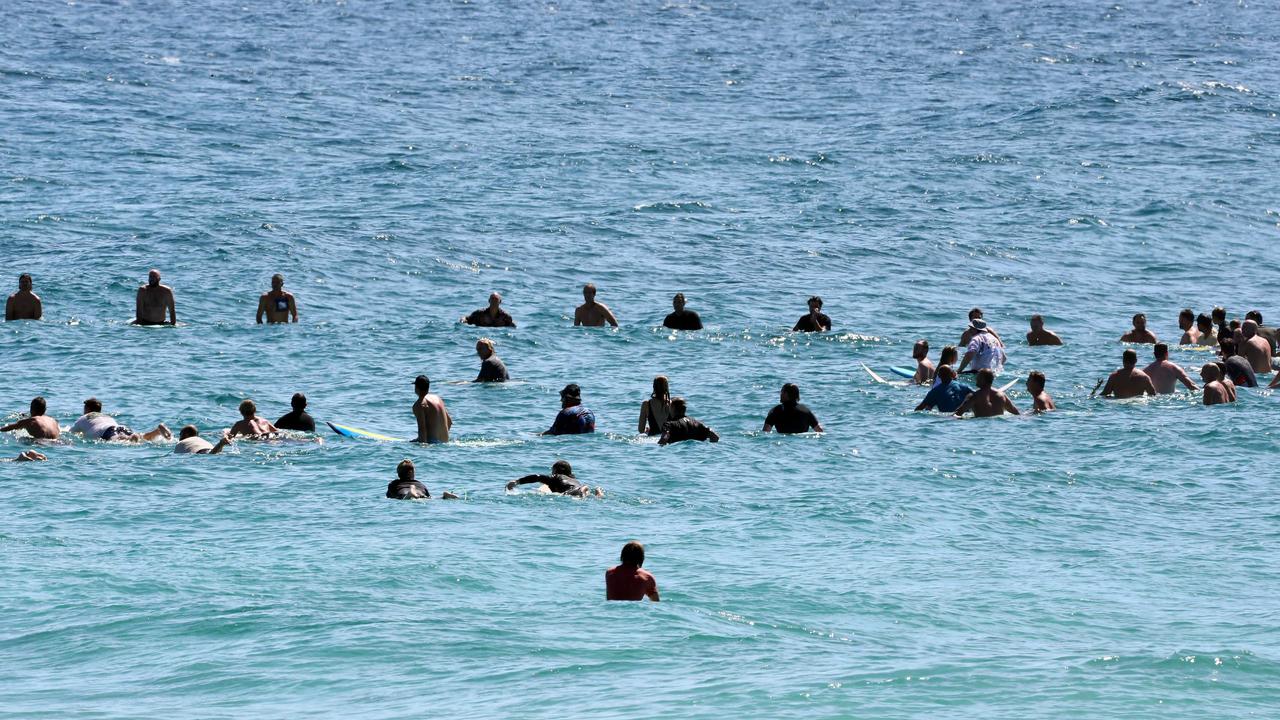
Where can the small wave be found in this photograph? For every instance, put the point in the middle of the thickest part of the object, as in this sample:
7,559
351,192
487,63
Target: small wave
674,206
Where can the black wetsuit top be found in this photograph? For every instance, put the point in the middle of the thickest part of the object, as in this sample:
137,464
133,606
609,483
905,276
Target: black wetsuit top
806,324
297,420
686,428
683,320
407,490
480,318
492,369
557,483
797,418
1241,372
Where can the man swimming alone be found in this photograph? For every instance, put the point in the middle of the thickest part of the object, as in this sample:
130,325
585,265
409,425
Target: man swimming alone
561,481
1165,374
38,425
190,442
947,395
1040,336
986,401
407,487
1041,401
682,427
789,417
681,319
815,320
277,305
95,425
433,417
24,304
591,313
492,316
492,369
627,581
153,301
1139,334
1128,381
573,418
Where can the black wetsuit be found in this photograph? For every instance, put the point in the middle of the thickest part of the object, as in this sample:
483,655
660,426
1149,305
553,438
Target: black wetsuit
806,324
492,369
297,420
791,420
1241,372
480,318
686,428
683,320
407,490
563,484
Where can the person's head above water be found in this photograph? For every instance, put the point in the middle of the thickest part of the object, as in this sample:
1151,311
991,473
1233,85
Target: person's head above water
38,406
661,388
571,395
1254,315
815,303
484,348
946,374
677,302
790,394
188,431
1140,321
633,554
678,408
1204,323
1219,315
920,350
1227,346
153,278
92,405
298,402
248,410
949,355
985,377
589,292
422,385
562,467
1249,329
1161,351
1037,323
975,313
24,282
1186,319
1035,381
1210,372
1129,358
405,471
495,299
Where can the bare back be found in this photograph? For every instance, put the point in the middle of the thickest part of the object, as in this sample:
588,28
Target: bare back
1258,352
23,305
1127,383
152,304
433,419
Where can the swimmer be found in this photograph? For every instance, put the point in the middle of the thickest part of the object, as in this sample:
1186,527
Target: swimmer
250,425
1255,348
984,352
789,416
1187,324
682,319
94,425
153,301
1205,332
407,487
1215,392
1040,336
591,313
947,395
969,332
986,401
27,456
190,442
1270,334
278,305
297,419
681,427
1041,400
434,421
492,369
38,425
1165,374
561,481
815,320
573,418
1128,381
949,356
1235,369
492,316
24,304
924,367
627,581
1219,314
1139,334
656,411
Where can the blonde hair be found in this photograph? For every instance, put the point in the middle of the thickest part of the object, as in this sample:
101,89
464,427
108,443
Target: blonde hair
487,343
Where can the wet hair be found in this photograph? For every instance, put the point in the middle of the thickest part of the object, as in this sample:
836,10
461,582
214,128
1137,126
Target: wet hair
1254,315
1037,376
632,554
920,344
1130,358
405,470
949,351
299,401
248,409
24,276
678,407
986,376
1187,313
791,393
1220,312
1204,321
487,343
562,467
1161,351
38,406
188,431
1139,315
975,313
661,388
422,382
815,299
92,405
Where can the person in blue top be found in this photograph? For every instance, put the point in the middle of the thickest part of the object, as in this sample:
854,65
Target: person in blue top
948,395
574,419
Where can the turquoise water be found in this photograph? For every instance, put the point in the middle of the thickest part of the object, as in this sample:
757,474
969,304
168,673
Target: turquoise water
397,162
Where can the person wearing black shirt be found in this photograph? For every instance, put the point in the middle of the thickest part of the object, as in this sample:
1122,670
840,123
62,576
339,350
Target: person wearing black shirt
492,316
789,416
492,369
680,427
561,481
298,419
682,319
407,487
816,320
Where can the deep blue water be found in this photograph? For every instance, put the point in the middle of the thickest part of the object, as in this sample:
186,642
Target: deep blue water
399,161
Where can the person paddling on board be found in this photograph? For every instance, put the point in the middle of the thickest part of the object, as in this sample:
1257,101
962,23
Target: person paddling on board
1165,374
153,301
407,487
24,304
434,421
96,425
591,313
491,316
627,581
987,401
38,425
1128,381
277,305
1139,334
190,442
250,425
1040,336
561,481
1041,401
924,367
682,427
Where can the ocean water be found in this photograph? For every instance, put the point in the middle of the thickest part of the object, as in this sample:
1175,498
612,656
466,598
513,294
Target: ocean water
399,161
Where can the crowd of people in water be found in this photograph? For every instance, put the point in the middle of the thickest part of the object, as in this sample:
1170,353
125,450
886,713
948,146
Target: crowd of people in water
1244,349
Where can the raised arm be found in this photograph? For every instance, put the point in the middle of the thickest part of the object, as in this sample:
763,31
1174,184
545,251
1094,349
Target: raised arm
14,426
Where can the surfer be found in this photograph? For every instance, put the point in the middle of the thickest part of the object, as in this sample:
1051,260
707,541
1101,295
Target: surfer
627,581
561,481
153,301
986,401
38,425
297,419
947,395
1128,381
969,332
1165,374
492,369
1255,348
591,313
278,305
984,352
1187,324
433,417
573,418
1041,401
1235,368
492,316
1206,335
407,487
1040,336
250,425
924,367
190,442
682,319
24,304
681,427
789,416
656,411
95,425
815,320
1216,392
1139,334
949,356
